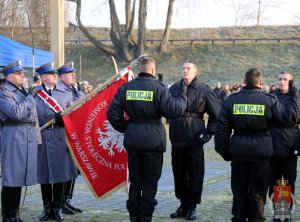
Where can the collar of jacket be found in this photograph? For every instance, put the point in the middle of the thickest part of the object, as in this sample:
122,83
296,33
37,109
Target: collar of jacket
195,83
279,93
12,87
65,86
144,74
9,86
56,87
251,89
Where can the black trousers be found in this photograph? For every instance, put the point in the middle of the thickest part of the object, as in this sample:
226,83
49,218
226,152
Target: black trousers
283,167
188,171
10,202
249,184
144,174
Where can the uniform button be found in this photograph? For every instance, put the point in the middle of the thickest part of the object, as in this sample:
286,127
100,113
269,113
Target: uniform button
48,140
29,141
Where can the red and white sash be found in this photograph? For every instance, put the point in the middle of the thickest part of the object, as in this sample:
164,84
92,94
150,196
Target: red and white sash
49,101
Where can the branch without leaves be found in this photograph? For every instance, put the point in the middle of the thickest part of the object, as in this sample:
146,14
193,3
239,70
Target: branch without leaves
165,40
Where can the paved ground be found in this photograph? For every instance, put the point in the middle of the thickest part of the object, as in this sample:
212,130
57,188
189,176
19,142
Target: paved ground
215,207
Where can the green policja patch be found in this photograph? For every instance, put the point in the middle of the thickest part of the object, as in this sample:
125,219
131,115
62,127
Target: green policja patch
141,95
249,109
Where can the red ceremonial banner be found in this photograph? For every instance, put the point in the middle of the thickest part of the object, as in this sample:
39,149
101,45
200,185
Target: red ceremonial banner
95,146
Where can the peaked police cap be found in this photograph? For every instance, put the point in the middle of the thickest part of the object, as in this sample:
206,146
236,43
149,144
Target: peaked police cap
68,67
46,68
14,67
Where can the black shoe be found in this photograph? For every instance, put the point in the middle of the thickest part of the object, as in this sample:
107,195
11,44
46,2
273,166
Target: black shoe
18,219
191,213
57,214
75,209
13,219
67,210
45,214
275,220
180,212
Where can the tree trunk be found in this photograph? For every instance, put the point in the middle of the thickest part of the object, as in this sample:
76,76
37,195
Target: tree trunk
116,34
129,24
142,27
258,13
107,49
165,40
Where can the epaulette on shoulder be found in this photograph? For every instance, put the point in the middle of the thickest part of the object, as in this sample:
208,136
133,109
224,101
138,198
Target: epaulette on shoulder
161,83
205,85
271,95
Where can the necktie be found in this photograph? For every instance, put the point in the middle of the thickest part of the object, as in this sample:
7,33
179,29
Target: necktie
50,92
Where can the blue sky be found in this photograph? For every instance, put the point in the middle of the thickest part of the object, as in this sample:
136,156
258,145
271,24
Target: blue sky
198,13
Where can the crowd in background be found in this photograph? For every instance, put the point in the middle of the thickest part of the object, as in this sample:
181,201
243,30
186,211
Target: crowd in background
224,90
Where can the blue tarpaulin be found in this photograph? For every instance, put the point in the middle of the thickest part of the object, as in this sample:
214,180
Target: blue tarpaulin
11,51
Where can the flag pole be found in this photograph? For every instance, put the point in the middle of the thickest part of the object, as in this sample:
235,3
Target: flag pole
91,94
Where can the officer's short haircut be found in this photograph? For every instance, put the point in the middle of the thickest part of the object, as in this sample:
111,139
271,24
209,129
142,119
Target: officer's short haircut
146,60
146,65
287,72
253,76
192,62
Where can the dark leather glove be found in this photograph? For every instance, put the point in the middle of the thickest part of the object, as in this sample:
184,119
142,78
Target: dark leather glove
293,91
204,136
32,91
182,87
59,120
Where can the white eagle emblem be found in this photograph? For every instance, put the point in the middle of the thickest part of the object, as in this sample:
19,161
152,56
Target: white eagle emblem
110,139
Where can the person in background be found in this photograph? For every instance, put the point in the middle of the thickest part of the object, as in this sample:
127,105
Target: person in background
218,90
225,93
36,82
273,88
266,89
188,134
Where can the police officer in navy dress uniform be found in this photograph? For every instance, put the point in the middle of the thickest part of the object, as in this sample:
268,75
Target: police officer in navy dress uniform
55,165
250,113
145,100
18,144
67,76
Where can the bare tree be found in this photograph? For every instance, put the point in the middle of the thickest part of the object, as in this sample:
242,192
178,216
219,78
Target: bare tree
164,43
124,44
11,16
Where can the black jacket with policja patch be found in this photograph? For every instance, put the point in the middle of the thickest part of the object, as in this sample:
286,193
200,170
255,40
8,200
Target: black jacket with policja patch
145,100
250,113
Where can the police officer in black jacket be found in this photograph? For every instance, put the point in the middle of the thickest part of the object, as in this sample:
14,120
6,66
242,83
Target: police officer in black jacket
145,100
188,134
284,161
250,113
